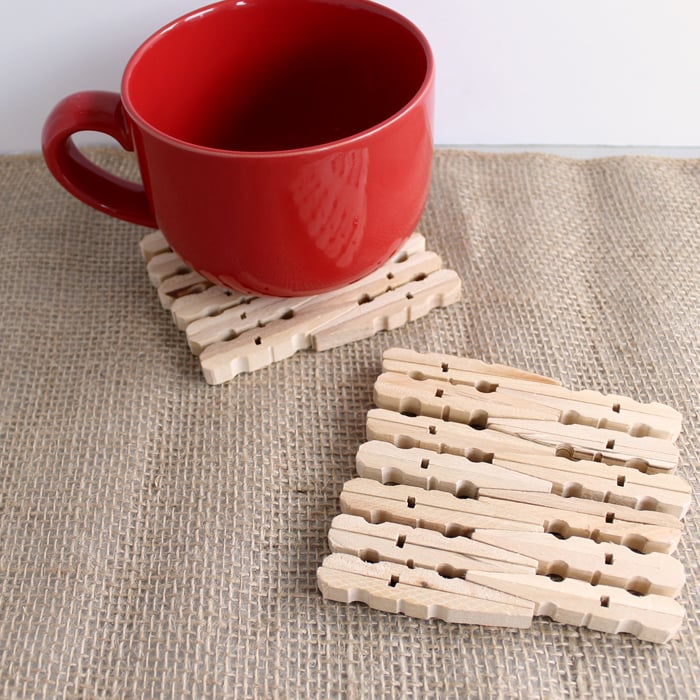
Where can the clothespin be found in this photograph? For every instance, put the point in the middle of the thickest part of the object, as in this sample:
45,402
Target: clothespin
419,593
643,530
526,419
595,562
435,510
585,408
653,618
233,332
414,547
596,480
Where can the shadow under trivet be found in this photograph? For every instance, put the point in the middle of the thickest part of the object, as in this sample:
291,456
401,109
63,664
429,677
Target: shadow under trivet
232,332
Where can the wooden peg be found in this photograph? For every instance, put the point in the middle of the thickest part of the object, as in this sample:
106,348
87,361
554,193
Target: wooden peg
462,403
653,618
260,347
153,244
165,265
611,412
232,322
208,303
625,485
391,309
180,285
417,547
211,302
522,417
446,436
418,593
595,562
648,454
586,505
386,463
586,407
171,276
461,370
392,275
326,310
300,324
602,527
434,510
620,486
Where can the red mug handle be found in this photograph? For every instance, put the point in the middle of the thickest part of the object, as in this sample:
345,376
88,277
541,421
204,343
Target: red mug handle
93,111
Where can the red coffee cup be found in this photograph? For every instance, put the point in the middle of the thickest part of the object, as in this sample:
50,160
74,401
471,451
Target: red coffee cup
285,146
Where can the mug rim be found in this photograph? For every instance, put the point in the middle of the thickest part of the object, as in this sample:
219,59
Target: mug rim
397,17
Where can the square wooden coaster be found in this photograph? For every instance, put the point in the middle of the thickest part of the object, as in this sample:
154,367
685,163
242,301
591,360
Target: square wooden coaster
488,495
231,332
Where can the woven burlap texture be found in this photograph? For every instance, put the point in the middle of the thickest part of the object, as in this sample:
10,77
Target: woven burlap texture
159,537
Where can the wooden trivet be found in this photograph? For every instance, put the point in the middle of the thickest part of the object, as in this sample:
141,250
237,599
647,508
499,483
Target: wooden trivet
232,332
488,495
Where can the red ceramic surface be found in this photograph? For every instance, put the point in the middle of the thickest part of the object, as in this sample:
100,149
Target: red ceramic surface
285,146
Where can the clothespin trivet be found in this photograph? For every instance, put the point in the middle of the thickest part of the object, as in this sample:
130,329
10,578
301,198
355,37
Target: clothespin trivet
481,481
232,332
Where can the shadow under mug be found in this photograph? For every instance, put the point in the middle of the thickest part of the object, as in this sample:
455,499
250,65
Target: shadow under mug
284,146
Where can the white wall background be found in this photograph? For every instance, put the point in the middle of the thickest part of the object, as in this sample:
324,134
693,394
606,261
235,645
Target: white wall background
616,72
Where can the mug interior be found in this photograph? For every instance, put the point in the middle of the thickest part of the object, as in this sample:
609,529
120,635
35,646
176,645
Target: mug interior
275,75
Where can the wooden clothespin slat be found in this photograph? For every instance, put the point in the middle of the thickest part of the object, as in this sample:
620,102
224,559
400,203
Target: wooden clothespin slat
586,407
600,445
653,618
446,436
601,509
462,403
566,522
291,326
590,479
208,303
620,486
596,562
434,510
153,244
646,530
165,265
391,309
451,367
521,416
386,463
232,322
420,593
260,347
180,285
419,547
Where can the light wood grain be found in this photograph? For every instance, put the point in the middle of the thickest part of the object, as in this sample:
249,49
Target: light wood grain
419,593
653,618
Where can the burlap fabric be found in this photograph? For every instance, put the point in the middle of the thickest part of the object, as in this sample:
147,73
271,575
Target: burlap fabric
159,537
